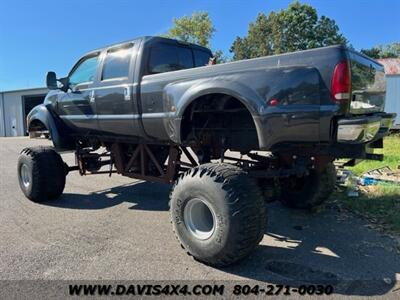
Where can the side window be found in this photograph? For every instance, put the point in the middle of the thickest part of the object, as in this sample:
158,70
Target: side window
201,58
116,63
85,71
167,58
185,58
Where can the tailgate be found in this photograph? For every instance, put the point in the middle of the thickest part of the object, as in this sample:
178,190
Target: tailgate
367,85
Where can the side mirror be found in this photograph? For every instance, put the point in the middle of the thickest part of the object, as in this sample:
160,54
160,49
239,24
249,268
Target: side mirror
51,81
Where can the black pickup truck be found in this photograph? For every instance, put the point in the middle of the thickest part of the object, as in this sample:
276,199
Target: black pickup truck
140,106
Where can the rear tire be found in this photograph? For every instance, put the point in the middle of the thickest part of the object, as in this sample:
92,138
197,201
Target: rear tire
218,213
308,191
41,173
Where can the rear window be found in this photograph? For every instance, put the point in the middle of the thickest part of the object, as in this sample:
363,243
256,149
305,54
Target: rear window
167,58
116,63
201,58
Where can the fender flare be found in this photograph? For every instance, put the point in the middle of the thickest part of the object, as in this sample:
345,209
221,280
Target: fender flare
247,96
54,126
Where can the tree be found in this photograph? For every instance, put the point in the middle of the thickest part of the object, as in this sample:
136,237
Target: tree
383,51
220,57
295,28
372,52
197,29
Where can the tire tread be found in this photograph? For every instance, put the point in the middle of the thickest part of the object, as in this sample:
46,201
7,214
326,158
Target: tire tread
246,206
48,173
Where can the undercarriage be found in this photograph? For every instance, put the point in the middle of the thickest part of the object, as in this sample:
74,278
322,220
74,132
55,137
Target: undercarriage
161,163
217,202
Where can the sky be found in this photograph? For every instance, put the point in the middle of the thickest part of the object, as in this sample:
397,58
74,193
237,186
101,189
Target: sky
37,36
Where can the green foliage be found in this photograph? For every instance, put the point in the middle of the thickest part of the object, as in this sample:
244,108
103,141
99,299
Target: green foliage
391,145
383,51
295,28
220,57
197,29
380,203
373,52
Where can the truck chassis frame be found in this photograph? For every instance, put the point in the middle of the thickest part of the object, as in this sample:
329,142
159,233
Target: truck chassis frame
137,165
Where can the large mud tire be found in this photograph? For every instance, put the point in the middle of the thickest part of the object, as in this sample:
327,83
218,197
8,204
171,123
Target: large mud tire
218,213
41,173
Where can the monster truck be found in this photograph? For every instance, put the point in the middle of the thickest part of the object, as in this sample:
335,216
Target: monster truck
138,107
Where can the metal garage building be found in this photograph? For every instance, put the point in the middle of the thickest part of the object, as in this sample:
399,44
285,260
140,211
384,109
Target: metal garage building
15,106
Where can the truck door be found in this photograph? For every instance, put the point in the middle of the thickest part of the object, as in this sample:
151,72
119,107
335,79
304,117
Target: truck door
115,95
76,106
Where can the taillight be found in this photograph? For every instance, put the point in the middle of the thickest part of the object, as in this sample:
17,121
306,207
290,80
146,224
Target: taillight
340,86
274,102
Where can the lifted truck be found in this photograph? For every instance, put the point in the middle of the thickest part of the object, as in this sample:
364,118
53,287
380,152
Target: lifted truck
138,106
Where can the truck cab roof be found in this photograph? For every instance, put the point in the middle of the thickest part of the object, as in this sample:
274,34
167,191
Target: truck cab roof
149,40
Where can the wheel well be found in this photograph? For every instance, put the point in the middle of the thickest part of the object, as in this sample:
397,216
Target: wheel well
219,121
37,129
37,125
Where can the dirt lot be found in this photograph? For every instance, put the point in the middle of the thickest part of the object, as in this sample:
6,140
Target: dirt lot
118,228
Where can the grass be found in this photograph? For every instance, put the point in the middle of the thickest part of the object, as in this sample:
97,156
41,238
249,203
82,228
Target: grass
391,151
379,203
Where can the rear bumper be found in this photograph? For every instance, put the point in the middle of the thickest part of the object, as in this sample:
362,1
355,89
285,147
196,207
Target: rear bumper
358,130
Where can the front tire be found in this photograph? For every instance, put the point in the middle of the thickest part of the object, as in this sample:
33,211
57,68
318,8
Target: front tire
308,191
218,213
41,173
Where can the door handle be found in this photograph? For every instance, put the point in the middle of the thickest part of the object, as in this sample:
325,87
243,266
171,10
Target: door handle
92,96
127,93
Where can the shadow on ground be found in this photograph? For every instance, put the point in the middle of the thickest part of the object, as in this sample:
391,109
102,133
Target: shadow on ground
142,195
327,247
300,248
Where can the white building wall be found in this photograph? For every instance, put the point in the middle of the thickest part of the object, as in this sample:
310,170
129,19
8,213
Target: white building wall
12,117
2,121
13,114
393,96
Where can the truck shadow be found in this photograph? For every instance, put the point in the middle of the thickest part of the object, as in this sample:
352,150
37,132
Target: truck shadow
142,195
328,247
299,248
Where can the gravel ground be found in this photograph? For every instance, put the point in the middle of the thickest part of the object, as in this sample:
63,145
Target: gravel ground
118,229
